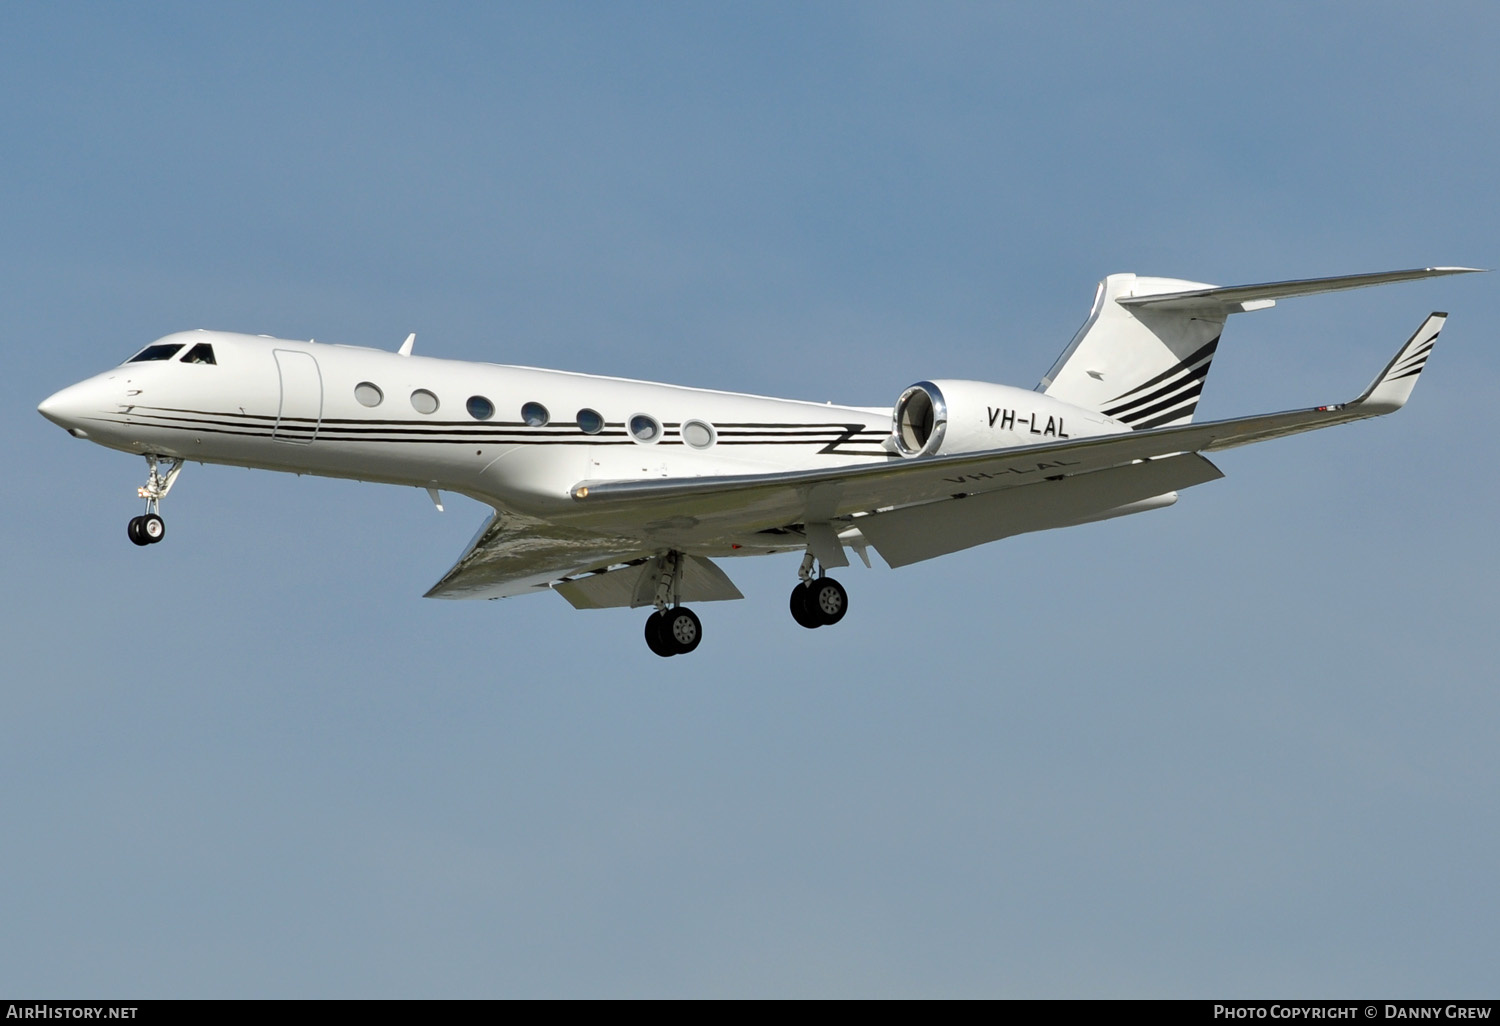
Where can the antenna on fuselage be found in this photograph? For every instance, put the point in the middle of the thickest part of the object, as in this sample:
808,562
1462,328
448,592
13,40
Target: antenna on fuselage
405,349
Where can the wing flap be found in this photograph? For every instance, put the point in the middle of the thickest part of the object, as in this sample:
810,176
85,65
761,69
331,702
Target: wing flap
515,556
699,580
914,533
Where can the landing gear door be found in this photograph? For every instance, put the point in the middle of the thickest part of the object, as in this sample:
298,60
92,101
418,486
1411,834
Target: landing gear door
301,410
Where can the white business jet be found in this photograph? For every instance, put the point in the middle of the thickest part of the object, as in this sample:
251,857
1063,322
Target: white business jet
613,492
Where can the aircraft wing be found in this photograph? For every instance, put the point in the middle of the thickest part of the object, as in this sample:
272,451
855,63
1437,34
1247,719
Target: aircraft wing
516,556
602,555
820,495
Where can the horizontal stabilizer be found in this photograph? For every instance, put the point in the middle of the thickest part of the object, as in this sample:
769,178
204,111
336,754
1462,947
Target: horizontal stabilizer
1236,295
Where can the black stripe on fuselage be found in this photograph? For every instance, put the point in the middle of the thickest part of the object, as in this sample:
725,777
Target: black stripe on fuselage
559,429
831,437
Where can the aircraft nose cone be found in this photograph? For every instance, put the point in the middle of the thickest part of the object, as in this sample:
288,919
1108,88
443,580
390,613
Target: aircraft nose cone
68,408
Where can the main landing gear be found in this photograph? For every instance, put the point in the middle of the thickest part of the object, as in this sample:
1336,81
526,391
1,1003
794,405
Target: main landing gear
672,632
672,629
149,528
817,601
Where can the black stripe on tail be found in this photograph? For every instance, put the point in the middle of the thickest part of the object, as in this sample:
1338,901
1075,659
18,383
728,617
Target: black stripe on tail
1169,396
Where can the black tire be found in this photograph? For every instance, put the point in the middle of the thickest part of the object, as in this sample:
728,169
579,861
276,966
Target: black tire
682,630
153,528
133,529
656,636
827,600
801,611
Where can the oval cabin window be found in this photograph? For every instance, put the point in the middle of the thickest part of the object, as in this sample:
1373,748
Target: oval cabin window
698,434
590,422
645,428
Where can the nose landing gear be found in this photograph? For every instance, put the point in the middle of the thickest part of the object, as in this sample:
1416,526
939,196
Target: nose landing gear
149,528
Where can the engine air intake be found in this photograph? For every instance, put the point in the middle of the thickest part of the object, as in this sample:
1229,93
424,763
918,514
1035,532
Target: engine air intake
919,419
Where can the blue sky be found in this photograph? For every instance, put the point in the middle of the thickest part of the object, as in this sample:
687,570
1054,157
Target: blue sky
1240,747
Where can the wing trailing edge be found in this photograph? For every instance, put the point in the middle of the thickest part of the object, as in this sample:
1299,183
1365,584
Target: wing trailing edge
634,584
911,534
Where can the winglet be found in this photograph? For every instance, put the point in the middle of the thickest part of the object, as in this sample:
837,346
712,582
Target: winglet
1390,390
405,349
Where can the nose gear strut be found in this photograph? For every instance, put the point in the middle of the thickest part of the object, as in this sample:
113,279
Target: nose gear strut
149,528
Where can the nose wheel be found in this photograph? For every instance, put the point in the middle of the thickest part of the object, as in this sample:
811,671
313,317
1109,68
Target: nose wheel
149,528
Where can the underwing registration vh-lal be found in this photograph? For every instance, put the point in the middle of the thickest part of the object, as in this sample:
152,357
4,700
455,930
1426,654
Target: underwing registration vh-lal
613,492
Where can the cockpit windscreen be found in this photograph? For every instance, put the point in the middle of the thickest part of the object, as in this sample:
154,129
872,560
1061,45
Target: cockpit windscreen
159,351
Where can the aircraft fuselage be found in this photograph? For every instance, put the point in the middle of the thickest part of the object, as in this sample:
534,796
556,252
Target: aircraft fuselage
518,438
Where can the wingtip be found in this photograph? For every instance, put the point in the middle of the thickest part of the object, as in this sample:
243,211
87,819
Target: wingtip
1393,386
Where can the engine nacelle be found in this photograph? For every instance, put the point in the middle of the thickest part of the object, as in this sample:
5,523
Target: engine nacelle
939,417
